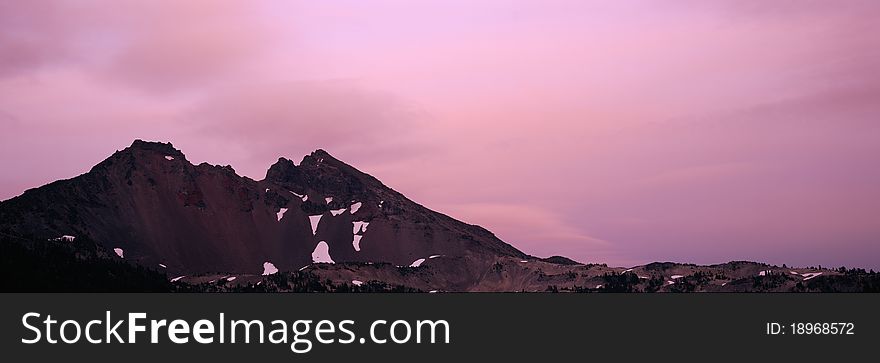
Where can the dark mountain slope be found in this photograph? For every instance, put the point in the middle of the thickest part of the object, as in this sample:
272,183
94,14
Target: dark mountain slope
159,209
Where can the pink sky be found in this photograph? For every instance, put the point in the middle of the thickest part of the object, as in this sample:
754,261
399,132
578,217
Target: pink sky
608,131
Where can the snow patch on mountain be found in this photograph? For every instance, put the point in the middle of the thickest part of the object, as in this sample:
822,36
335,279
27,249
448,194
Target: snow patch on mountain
280,213
314,220
810,275
355,207
269,268
356,242
359,226
321,254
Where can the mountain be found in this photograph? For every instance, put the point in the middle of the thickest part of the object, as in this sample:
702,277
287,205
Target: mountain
155,208
146,215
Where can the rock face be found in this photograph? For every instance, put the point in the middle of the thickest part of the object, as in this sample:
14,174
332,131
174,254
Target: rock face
151,202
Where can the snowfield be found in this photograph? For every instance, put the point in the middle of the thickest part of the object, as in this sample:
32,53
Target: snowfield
280,213
269,268
321,254
314,220
359,226
810,275
356,242
337,212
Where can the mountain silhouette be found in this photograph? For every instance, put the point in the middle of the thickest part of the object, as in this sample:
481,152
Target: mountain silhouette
147,214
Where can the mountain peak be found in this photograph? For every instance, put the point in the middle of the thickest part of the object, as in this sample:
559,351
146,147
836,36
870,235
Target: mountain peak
283,169
139,152
321,153
318,156
156,146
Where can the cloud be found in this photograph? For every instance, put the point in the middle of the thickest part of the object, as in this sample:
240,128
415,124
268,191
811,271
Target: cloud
184,44
670,130
33,34
293,118
158,46
534,229
694,175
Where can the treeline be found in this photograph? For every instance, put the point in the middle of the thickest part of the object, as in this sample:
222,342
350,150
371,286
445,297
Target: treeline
300,281
28,265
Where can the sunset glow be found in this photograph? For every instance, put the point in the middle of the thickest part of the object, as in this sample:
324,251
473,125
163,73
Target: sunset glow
619,132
